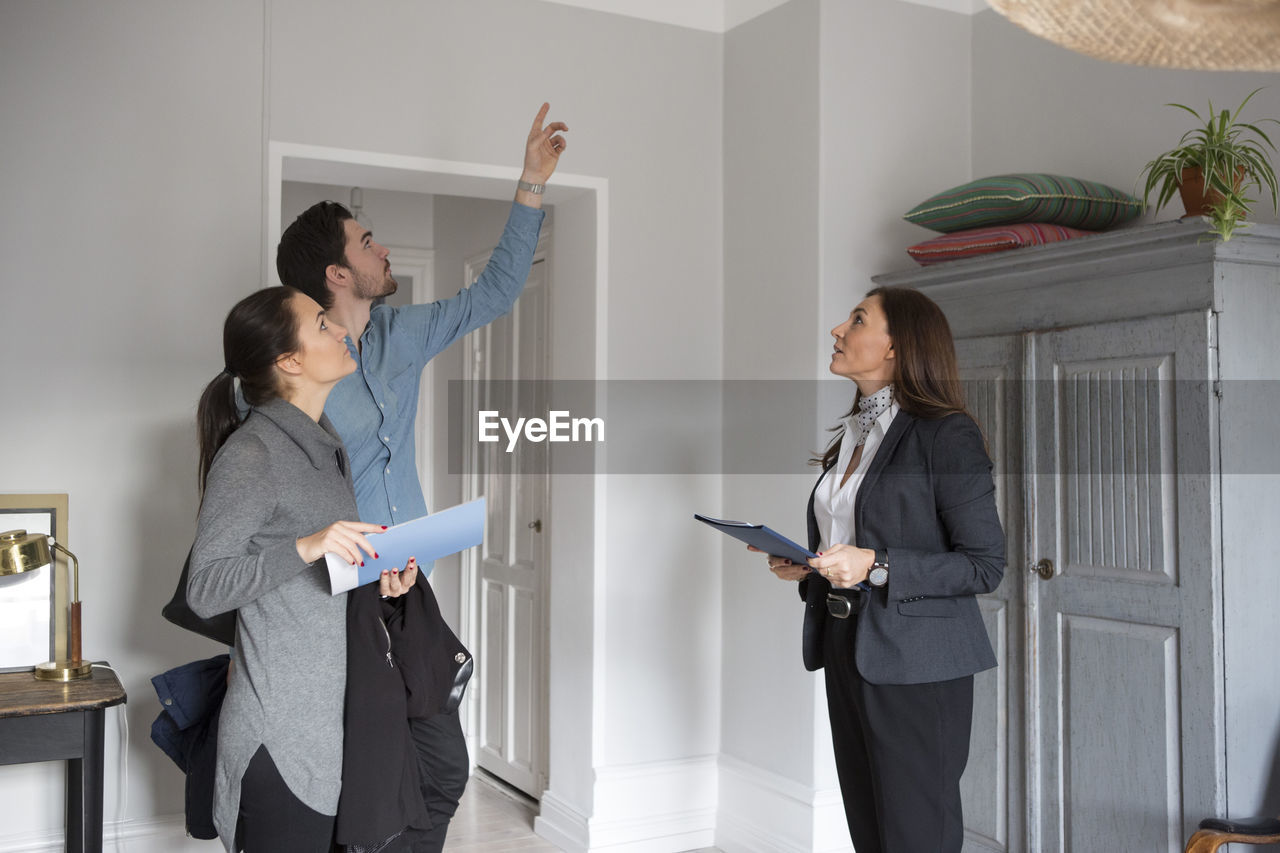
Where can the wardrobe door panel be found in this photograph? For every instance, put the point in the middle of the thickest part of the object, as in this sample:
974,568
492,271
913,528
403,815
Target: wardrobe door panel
992,787
1121,494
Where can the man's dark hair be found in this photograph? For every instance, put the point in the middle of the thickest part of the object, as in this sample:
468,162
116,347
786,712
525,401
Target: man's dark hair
316,239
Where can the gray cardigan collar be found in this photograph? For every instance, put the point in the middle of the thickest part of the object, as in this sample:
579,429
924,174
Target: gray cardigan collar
318,440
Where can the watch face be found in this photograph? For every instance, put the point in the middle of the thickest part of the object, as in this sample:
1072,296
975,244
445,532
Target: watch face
878,576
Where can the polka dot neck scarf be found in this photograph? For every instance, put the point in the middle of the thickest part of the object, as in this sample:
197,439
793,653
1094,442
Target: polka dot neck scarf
870,409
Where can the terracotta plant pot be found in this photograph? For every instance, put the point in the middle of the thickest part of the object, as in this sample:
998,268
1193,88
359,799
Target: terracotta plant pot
1191,188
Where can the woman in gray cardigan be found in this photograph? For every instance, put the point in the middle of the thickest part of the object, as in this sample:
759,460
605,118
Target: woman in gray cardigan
277,495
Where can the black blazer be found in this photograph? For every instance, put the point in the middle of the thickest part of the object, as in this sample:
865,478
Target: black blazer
928,500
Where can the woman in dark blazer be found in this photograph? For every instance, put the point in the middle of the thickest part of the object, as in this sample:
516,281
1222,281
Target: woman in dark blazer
904,519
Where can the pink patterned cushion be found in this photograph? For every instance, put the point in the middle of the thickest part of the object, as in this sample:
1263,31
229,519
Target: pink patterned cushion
982,241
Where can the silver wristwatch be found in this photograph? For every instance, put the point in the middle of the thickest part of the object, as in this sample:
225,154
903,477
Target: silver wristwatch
879,574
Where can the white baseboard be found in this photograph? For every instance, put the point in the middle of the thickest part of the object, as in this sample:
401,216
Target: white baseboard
153,835
762,812
561,824
658,807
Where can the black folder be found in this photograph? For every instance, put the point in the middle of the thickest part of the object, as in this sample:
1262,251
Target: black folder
767,540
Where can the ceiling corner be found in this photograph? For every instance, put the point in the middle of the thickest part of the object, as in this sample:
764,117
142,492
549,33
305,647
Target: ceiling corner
740,11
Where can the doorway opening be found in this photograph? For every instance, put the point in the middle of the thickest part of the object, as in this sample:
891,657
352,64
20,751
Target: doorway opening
573,679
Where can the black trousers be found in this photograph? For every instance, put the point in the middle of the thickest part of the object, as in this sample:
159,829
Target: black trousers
443,766
272,819
900,751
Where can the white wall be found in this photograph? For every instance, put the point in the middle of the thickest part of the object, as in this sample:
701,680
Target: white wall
771,201
895,129
771,264
132,164
1041,108
830,135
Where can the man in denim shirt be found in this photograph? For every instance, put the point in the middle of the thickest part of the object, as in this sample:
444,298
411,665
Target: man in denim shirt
332,258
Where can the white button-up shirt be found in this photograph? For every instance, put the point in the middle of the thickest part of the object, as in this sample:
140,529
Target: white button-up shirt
833,503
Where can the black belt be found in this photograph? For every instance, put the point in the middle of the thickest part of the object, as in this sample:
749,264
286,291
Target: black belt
843,603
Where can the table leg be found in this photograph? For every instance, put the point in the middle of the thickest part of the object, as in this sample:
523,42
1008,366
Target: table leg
84,789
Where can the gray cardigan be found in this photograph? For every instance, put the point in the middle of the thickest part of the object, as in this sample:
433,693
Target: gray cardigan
279,477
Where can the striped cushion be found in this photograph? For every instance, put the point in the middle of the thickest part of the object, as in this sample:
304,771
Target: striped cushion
1008,199
982,241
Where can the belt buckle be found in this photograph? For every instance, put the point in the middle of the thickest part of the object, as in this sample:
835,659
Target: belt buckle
839,606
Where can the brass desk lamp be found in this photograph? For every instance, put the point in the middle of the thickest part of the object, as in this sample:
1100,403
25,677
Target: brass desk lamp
23,552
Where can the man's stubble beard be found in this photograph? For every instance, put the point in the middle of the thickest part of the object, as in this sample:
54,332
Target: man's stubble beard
365,288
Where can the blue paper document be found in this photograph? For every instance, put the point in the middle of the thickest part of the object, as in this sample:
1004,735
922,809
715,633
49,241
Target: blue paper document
767,540
428,538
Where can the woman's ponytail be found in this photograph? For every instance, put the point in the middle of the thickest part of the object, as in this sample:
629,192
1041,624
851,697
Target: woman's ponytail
259,330
217,417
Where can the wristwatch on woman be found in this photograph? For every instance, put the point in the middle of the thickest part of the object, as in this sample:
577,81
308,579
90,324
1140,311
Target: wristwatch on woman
879,574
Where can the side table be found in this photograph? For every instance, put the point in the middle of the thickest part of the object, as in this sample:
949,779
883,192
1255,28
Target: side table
52,721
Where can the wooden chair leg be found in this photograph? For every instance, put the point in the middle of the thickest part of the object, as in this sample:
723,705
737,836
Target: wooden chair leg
1206,841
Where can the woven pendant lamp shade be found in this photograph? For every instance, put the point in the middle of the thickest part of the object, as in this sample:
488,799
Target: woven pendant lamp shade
1217,35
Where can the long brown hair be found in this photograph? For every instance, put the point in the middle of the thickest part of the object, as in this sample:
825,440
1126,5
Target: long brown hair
258,330
926,379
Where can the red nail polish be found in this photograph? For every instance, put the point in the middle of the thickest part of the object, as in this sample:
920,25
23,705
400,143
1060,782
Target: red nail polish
362,562
384,527
395,571
375,555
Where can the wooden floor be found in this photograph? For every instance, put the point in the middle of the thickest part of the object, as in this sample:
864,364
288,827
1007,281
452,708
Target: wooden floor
494,819
491,818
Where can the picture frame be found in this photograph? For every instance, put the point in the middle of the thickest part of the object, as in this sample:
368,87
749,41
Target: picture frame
28,602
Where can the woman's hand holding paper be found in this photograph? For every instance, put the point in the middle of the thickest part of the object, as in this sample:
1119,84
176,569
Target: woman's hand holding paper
344,538
394,584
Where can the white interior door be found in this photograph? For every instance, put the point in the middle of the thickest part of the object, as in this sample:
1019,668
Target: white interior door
507,363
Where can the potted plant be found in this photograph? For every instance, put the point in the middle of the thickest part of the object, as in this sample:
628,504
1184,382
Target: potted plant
1225,157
